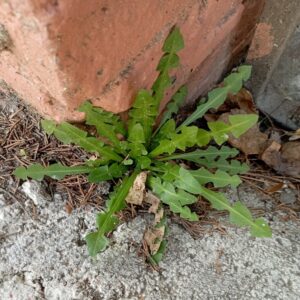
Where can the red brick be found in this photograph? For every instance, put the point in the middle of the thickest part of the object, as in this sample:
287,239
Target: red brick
65,52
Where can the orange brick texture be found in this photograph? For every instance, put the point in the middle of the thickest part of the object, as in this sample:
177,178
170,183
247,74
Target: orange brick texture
57,53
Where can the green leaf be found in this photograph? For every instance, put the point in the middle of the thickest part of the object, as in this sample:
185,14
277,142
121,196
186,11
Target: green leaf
232,84
137,139
187,182
203,137
244,211
233,167
166,130
191,135
174,42
170,171
67,134
55,171
219,131
242,123
107,221
144,162
128,162
245,72
170,60
143,112
96,243
94,114
261,229
157,257
239,124
164,133
160,85
49,126
187,138
106,173
176,199
238,214
211,153
136,135
106,123
219,179
174,105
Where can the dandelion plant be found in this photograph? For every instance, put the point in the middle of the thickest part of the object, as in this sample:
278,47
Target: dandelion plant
154,149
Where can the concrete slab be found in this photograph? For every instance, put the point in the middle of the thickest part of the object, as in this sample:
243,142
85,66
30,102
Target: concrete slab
46,258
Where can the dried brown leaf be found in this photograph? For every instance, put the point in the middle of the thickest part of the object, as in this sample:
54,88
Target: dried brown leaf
295,136
283,159
154,235
243,100
275,188
153,238
271,155
155,207
137,192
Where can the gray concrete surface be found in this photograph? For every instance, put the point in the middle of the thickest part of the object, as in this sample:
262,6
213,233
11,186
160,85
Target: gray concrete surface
42,256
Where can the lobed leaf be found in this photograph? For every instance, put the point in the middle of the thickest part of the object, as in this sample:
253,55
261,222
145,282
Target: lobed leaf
219,178
238,124
144,112
203,137
164,133
192,135
211,153
187,138
55,171
166,171
107,221
106,123
174,42
170,60
137,139
232,84
177,199
143,162
107,117
106,172
67,134
173,106
238,213
233,167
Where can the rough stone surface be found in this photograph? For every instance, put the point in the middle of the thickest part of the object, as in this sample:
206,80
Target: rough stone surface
281,98
43,257
34,191
65,52
276,75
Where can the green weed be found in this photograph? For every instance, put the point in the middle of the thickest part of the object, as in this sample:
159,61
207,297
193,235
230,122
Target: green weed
154,150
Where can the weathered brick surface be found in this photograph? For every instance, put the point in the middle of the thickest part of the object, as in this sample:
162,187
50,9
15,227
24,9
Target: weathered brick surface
64,51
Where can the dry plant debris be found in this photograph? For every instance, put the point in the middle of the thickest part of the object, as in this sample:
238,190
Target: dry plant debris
154,235
22,141
277,148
